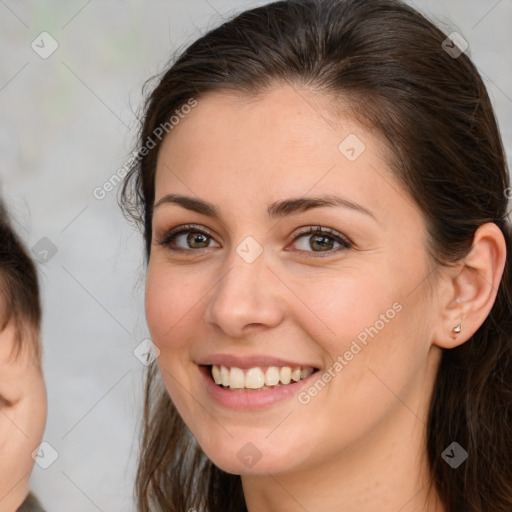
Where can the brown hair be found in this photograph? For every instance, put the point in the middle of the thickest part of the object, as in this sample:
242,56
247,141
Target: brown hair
388,63
19,290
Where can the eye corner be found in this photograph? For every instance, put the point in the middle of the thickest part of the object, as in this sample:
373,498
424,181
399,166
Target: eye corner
5,403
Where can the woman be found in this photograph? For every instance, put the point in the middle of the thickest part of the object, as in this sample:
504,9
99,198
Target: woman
378,374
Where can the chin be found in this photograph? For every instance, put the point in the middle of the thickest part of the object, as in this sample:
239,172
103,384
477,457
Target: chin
235,467
246,458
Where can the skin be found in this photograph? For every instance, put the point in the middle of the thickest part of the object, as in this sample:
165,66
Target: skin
359,444
22,419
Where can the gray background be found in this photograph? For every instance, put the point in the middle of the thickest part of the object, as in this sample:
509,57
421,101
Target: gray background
67,123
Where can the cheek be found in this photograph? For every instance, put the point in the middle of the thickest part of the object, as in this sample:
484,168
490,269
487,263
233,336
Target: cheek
344,308
16,451
170,298
364,324
173,313
33,411
38,412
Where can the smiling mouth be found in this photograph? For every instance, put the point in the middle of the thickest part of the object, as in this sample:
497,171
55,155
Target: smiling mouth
257,378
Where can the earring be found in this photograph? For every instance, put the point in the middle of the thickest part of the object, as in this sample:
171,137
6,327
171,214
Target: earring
457,329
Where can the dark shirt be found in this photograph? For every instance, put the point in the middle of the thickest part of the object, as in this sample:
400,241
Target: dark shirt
31,504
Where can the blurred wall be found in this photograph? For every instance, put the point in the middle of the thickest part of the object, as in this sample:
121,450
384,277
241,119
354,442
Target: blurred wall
67,123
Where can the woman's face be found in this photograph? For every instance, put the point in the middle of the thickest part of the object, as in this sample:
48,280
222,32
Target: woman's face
248,287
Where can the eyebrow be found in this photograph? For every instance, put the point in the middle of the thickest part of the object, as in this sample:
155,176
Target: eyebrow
275,210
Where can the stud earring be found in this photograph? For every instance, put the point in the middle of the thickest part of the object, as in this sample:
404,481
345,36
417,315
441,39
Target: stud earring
457,329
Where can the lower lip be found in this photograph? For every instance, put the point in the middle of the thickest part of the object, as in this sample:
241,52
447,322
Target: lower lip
251,399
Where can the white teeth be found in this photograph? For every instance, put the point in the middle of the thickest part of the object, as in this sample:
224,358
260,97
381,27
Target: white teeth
272,376
285,375
224,375
256,378
236,378
216,374
306,372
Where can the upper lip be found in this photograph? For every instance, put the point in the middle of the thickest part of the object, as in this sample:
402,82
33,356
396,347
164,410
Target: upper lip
230,361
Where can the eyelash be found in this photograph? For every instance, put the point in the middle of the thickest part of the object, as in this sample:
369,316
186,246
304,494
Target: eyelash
318,230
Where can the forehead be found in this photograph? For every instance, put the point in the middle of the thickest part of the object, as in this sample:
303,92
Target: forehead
276,123
286,141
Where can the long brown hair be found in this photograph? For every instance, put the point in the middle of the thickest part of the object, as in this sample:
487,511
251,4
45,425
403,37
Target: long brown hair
390,64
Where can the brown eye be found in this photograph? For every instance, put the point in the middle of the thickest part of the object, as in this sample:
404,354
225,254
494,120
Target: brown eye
322,240
196,240
189,238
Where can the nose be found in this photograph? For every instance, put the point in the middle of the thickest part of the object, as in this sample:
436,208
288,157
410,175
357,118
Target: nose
247,298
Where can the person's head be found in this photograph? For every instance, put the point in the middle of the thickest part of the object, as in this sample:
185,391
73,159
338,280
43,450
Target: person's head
22,389
299,100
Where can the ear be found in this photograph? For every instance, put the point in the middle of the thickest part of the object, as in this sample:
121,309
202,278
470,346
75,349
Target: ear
472,287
